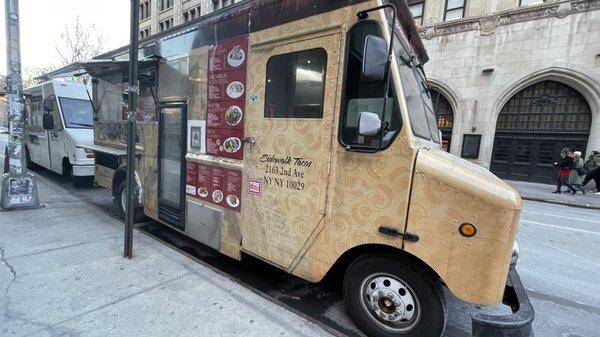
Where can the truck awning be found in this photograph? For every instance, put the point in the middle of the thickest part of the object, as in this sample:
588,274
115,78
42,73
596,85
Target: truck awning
97,68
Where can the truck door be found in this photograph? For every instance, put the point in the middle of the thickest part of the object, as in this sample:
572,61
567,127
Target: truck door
57,144
37,137
289,125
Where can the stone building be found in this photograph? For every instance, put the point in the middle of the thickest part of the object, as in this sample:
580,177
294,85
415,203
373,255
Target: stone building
160,15
514,81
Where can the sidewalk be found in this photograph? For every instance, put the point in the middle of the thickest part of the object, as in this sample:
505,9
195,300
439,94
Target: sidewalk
62,273
542,192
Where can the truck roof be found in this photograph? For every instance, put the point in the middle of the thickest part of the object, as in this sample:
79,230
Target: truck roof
254,15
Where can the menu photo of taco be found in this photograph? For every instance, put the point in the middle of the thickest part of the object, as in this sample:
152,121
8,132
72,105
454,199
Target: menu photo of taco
233,201
233,115
235,89
232,145
236,56
202,191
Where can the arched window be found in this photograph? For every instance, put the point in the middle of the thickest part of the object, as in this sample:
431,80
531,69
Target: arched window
534,125
445,117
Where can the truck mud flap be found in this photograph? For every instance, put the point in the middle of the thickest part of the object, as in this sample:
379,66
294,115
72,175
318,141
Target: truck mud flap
518,324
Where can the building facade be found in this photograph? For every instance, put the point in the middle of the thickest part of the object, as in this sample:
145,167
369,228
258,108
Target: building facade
160,15
514,81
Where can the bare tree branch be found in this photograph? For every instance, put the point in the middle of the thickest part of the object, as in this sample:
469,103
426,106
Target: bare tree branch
79,42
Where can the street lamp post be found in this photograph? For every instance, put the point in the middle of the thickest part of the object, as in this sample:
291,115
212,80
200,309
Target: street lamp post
131,126
19,189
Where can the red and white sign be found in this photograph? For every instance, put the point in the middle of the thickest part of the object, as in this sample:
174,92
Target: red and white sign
191,174
226,103
255,187
217,185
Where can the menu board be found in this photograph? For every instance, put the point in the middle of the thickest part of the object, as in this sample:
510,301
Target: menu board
191,175
226,105
217,185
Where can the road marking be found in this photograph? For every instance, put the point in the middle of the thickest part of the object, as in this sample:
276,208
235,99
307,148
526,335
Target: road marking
562,216
560,227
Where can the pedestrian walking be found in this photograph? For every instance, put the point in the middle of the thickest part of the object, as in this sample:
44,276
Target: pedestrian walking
578,173
592,166
565,166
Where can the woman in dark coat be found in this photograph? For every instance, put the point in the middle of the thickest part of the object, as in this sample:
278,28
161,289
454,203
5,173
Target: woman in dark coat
565,165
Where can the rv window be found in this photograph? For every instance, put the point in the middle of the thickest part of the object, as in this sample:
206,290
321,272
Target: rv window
296,84
361,95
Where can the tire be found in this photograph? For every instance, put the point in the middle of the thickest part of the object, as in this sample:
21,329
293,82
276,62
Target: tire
78,181
138,212
417,307
28,163
82,182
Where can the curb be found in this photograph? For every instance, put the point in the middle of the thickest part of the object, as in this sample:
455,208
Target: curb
560,203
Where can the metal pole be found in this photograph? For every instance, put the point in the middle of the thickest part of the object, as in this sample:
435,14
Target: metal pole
19,189
131,126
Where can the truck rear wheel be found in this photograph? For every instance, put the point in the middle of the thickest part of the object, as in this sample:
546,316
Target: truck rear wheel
389,298
138,212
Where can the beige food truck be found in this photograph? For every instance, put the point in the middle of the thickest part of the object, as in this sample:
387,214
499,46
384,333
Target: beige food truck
302,133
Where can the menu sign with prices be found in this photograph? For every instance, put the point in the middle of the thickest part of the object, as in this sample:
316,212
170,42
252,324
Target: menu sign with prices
226,103
191,175
217,185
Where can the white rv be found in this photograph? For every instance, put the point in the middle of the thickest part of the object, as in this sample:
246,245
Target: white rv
58,124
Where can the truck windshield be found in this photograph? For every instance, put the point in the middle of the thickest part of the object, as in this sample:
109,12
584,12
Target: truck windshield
416,90
77,113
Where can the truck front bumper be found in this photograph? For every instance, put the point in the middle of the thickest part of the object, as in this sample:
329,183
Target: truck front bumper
83,170
518,324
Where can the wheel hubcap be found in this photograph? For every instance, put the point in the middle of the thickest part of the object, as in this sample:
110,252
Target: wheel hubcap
390,302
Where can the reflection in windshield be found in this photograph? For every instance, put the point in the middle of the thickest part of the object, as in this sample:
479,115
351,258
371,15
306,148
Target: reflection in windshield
78,113
416,92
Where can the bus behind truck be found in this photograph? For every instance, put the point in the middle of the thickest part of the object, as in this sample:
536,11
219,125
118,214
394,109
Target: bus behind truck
58,126
303,133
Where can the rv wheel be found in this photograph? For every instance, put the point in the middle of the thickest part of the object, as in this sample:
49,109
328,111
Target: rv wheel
138,213
389,298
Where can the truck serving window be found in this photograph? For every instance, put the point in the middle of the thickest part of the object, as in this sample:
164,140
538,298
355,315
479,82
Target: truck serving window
361,95
296,84
111,97
77,113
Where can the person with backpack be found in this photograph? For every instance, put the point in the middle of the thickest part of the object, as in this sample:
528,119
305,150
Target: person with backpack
578,173
592,166
565,166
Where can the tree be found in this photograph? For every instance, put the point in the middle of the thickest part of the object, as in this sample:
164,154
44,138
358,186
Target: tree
79,42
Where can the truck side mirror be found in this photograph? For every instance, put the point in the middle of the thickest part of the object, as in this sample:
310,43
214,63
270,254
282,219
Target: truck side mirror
48,121
49,104
375,58
369,124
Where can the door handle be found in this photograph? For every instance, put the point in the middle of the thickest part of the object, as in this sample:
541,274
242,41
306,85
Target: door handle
250,140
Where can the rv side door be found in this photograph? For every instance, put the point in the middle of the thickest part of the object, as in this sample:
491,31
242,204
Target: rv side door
290,133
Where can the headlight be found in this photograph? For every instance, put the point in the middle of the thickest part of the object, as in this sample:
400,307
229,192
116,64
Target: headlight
514,258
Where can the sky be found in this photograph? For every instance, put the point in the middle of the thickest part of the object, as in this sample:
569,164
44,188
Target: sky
43,21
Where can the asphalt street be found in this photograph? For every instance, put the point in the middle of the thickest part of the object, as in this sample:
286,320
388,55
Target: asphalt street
559,266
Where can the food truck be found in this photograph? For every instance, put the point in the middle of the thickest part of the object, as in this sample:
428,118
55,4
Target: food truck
302,133
58,126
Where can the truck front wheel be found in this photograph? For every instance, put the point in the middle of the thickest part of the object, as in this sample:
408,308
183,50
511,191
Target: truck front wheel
394,298
138,212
